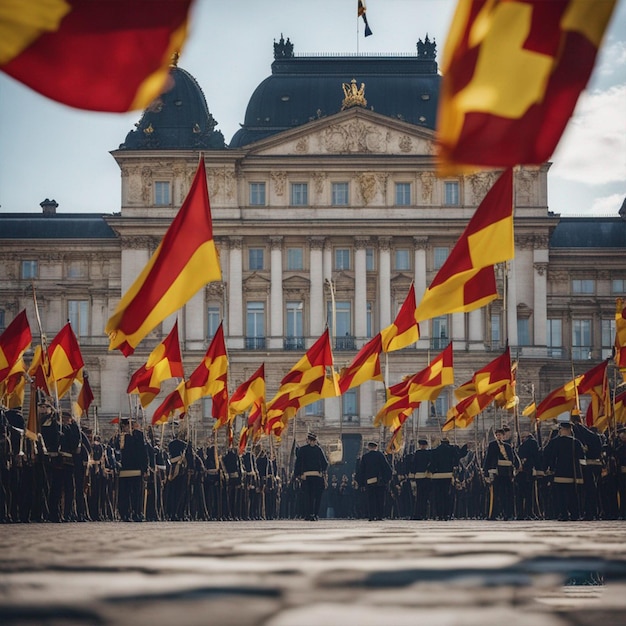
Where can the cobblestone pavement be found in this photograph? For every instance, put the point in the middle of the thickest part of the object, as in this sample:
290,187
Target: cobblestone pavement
296,573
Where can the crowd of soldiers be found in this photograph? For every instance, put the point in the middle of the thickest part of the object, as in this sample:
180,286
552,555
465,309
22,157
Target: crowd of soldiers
68,473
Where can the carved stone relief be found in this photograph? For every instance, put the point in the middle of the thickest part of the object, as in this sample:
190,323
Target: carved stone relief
318,182
428,180
405,143
302,145
367,186
540,268
279,179
146,185
480,183
355,136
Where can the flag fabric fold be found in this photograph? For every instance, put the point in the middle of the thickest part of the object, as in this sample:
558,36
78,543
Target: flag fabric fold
84,399
14,341
164,362
405,330
65,359
620,336
365,366
184,262
361,12
558,401
512,74
98,55
248,393
466,281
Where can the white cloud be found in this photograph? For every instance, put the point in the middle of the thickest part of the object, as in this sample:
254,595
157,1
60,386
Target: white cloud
593,147
608,204
612,58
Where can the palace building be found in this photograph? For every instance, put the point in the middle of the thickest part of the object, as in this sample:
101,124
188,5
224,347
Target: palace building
326,207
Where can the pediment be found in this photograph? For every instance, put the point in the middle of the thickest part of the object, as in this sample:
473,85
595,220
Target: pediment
296,284
256,282
355,131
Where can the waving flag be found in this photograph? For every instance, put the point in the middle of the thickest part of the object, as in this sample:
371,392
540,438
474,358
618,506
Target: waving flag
184,262
250,392
164,362
512,73
365,366
407,395
361,11
466,281
311,379
13,386
14,341
174,403
405,330
620,336
494,375
462,414
99,55
65,358
85,398
619,408
561,400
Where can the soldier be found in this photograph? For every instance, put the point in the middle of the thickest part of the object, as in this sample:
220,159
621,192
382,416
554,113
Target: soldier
250,486
525,487
445,458
95,500
420,468
16,492
373,476
212,487
134,464
81,464
310,466
620,466
232,470
562,458
498,467
591,466
176,489
69,446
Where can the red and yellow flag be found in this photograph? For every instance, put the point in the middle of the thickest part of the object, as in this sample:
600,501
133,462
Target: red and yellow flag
253,429
39,370
14,341
99,55
620,336
619,408
405,330
466,280
210,377
365,366
164,362
174,403
184,262
426,385
495,374
311,379
64,355
85,398
595,383
512,73
462,414
13,386
249,393
561,400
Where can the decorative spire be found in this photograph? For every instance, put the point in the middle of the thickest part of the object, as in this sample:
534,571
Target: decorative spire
353,95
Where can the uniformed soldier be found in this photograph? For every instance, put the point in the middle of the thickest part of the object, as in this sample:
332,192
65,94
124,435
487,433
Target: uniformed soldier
212,483
562,457
420,470
69,446
525,480
15,488
444,459
81,459
310,466
96,497
134,464
373,476
620,467
499,466
176,488
591,466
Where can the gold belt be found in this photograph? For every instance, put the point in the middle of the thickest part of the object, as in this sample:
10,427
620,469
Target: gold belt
307,474
442,475
129,473
372,481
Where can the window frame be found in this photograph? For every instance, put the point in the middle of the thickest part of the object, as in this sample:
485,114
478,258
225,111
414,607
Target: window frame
403,194
340,193
257,193
158,188
299,194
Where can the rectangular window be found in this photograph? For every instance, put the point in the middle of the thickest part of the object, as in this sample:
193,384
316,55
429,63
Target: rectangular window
213,318
299,194
496,331
403,259
2,320
162,195
439,257
583,285
207,408
315,408
294,339
255,325
342,322
523,332
554,331
78,315
440,336
451,192
370,265
618,286
403,194
342,259
581,339
608,337
295,258
349,408
442,404
340,194
257,194
76,269
255,258
29,269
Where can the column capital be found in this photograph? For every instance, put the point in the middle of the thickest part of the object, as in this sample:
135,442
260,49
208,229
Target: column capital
316,243
276,242
384,243
420,242
236,243
361,242
541,268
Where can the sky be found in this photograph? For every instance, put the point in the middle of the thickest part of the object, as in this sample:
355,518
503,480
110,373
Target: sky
49,150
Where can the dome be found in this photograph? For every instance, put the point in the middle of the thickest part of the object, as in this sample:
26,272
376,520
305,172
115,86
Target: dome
178,119
305,88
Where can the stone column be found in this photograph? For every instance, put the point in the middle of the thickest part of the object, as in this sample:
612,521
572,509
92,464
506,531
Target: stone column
420,285
316,297
384,281
360,290
511,305
540,305
458,331
276,293
476,330
235,293
194,312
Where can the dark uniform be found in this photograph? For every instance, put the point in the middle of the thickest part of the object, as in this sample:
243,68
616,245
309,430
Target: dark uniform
176,488
444,459
420,473
374,474
562,457
69,447
310,465
591,467
525,479
232,470
619,456
133,465
499,465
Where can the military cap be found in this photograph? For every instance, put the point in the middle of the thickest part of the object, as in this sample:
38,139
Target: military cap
422,442
372,444
311,436
499,430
